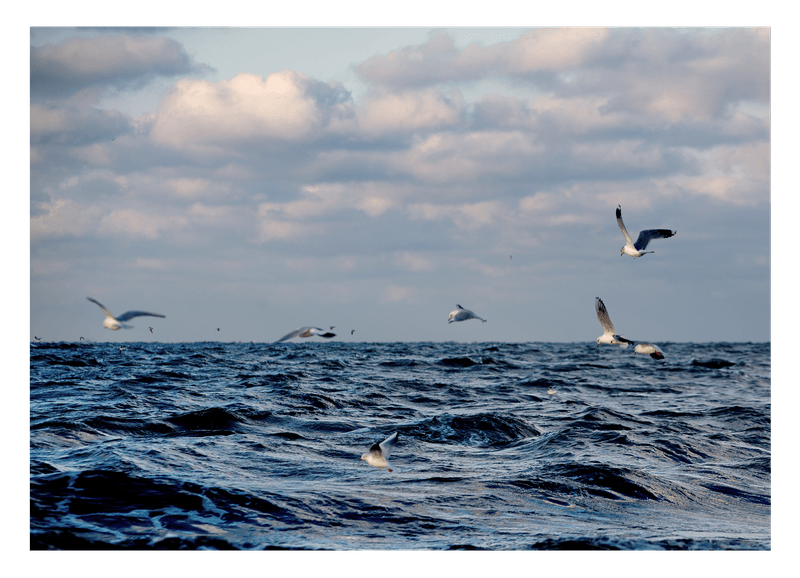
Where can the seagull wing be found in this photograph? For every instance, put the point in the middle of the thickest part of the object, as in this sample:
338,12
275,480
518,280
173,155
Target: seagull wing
101,306
319,332
306,331
294,333
646,236
387,445
622,228
131,314
602,316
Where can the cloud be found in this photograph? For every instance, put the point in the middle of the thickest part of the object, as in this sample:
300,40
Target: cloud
409,112
284,107
73,126
663,73
118,61
64,218
134,223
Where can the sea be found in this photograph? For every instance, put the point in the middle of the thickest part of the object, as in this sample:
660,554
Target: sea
502,446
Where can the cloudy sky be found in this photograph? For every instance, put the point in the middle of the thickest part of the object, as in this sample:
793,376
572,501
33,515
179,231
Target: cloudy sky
257,180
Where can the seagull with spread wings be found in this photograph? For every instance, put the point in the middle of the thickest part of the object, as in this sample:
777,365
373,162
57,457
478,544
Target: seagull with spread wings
609,336
118,322
307,332
379,452
637,249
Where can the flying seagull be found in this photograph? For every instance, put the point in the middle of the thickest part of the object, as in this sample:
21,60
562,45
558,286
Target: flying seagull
306,332
648,348
609,336
111,322
151,329
379,452
462,314
637,249
352,331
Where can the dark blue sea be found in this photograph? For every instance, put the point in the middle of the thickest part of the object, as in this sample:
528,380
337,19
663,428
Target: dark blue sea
502,446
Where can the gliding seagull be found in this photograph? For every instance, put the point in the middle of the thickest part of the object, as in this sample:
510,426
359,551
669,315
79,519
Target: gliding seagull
609,336
379,452
111,322
648,349
462,314
637,249
306,332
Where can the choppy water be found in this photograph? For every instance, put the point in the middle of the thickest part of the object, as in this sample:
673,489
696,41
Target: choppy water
502,446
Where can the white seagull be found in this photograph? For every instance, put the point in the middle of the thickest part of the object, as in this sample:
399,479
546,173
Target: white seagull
648,349
379,452
111,322
462,314
637,249
306,332
609,336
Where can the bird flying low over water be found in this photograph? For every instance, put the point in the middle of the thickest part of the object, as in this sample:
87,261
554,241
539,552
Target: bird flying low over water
648,349
379,452
637,249
462,314
306,332
609,336
111,322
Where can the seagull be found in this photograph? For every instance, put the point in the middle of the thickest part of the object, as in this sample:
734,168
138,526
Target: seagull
462,314
648,348
332,327
38,339
306,332
379,452
609,336
111,322
352,331
151,329
637,249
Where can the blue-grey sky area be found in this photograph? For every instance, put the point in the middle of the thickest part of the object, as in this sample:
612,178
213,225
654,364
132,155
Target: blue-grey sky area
258,180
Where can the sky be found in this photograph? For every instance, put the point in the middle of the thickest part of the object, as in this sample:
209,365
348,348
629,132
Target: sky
261,179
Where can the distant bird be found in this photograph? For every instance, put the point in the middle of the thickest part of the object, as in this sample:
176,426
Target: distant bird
648,349
37,339
151,329
352,331
307,332
637,249
462,314
332,327
379,452
217,328
609,336
111,322
81,339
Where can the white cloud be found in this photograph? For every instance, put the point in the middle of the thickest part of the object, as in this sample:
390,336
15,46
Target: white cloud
64,218
200,113
408,112
134,223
